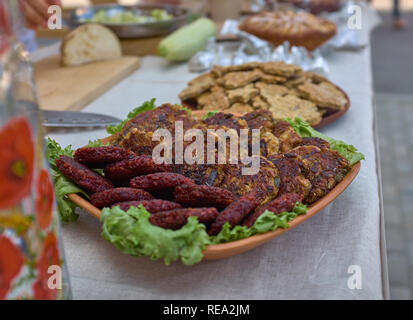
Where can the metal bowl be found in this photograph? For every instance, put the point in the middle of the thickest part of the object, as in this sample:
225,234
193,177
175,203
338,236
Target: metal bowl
77,17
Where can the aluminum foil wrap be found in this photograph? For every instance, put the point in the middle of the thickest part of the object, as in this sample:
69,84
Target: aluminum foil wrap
348,36
251,48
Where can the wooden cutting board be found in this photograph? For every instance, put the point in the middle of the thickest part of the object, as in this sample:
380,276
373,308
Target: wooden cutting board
72,88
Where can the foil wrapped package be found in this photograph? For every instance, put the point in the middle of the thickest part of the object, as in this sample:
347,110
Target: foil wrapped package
251,48
349,34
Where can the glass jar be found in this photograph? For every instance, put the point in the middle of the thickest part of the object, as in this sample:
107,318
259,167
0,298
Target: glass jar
31,255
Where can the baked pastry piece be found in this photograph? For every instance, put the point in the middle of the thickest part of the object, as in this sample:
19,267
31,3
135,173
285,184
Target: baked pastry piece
316,6
279,89
298,28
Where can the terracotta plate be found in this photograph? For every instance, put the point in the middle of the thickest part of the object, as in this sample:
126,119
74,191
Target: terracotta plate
220,251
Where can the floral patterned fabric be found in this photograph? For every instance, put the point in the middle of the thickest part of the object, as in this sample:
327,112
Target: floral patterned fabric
29,253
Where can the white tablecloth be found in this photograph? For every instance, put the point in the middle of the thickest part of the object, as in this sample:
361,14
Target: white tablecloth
308,262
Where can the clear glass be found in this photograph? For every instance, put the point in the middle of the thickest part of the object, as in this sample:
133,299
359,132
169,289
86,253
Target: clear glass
31,255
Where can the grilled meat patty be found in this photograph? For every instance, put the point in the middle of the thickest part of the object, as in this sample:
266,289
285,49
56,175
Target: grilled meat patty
324,168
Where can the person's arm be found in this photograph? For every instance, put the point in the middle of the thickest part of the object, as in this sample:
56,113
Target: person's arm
35,12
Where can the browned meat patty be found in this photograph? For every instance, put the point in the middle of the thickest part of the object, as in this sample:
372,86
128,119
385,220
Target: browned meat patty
280,204
235,212
82,175
291,180
324,168
210,175
202,196
264,181
259,119
175,219
127,169
227,120
138,132
108,197
314,141
152,206
100,156
287,136
160,181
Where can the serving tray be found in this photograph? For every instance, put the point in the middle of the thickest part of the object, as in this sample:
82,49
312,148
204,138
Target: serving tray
224,250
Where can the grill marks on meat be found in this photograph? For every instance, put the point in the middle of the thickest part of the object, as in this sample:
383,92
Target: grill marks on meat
235,212
82,175
202,196
152,206
324,168
175,219
280,204
108,197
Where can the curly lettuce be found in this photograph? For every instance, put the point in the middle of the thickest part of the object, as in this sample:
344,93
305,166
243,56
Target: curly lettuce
62,185
146,106
132,233
268,221
348,151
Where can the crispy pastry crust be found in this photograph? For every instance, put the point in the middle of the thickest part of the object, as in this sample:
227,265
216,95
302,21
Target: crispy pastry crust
300,29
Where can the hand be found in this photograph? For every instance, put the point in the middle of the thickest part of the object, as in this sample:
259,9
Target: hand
35,12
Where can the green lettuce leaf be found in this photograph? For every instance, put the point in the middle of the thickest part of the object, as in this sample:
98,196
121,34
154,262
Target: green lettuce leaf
132,233
146,106
97,143
209,114
268,221
348,151
62,185
188,111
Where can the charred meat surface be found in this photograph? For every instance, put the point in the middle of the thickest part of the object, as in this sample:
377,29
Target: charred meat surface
259,119
227,120
324,168
315,141
292,180
81,175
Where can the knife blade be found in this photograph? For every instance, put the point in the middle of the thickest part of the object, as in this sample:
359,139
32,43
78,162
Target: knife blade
67,119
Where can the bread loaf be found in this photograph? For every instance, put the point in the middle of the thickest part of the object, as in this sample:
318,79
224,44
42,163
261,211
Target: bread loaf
88,43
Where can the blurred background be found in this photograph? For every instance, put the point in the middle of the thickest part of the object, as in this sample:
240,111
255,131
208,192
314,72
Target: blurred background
392,52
